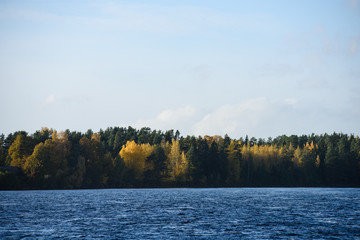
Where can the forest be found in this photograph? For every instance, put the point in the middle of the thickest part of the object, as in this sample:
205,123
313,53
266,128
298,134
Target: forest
121,157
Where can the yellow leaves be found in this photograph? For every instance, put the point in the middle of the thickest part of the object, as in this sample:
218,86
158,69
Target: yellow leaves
95,137
216,138
183,163
317,161
311,146
271,155
45,129
298,157
246,151
147,149
264,153
49,157
177,162
135,155
19,150
232,150
33,163
59,136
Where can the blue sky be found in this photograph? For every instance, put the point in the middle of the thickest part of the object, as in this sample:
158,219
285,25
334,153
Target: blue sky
257,68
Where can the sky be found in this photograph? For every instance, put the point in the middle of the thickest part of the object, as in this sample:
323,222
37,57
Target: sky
204,67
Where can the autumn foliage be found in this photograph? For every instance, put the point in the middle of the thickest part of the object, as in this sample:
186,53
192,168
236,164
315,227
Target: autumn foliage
135,156
126,157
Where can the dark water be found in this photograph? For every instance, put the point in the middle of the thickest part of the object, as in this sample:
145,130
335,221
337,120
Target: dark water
267,213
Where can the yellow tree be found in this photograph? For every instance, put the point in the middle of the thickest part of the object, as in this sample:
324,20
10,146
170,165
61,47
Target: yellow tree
135,156
271,156
50,158
216,138
177,163
298,157
148,150
183,167
20,150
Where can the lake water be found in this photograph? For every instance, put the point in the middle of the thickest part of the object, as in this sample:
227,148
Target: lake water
243,213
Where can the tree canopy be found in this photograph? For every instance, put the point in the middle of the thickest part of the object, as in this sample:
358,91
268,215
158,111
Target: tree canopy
127,157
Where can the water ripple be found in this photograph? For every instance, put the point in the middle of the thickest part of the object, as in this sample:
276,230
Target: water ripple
273,213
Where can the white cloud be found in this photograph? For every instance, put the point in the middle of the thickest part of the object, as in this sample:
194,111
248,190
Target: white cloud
180,119
254,117
230,118
176,115
258,117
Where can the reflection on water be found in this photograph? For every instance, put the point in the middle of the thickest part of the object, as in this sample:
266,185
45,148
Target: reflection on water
262,213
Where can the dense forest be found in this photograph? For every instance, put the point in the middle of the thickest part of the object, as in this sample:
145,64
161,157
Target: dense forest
127,157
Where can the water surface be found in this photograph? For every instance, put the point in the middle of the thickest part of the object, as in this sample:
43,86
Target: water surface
244,213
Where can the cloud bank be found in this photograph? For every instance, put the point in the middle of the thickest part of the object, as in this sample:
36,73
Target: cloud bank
254,117
257,117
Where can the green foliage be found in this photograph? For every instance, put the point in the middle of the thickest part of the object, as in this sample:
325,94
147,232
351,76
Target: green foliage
49,160
126,157
96,161
178,165
19,150
234,161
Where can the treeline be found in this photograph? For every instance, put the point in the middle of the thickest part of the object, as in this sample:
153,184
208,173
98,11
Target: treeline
127,157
